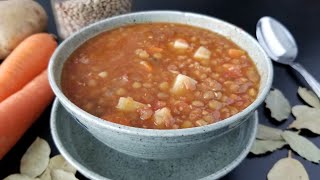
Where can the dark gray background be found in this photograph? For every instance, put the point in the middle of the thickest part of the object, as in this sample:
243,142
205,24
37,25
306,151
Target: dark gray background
300,16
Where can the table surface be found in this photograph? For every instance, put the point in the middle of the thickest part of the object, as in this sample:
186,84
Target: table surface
301,17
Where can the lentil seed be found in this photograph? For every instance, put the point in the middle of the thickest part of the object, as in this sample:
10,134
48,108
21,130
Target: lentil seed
157,55
201,122
136,85
186,124
92,82
208,95
197,103
215,105
162,95
252,92
121,92
164,86
147,85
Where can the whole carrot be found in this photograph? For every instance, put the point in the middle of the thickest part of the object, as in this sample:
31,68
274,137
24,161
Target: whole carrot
26,61
19,111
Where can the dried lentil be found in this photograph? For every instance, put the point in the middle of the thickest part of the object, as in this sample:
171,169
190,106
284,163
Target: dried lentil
72,15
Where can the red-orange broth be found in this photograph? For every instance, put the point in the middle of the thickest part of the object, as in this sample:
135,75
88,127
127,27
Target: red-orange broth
160,76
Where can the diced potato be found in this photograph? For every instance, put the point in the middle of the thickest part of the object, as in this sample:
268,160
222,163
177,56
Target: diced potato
145,113
180,44
129,105
103,74
202,53
183,83
163,116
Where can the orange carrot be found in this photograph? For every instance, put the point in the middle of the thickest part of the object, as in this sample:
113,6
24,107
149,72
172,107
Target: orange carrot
154,49
26,61
20,110
146,65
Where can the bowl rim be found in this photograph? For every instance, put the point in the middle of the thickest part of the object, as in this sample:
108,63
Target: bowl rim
158,132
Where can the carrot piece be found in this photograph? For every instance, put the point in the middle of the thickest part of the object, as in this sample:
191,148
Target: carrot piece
26,61
146,65
20,110
235,53
154,49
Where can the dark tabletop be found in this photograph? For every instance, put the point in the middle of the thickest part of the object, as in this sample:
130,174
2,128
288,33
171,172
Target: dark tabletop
300,16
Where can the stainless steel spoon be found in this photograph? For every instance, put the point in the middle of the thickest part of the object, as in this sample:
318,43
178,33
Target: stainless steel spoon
280,45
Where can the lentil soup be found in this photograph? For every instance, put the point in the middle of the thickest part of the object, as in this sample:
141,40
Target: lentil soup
160,76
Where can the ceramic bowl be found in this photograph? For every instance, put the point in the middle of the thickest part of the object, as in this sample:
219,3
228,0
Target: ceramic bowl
150,143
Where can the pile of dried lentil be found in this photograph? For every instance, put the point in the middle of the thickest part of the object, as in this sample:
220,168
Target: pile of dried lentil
72,15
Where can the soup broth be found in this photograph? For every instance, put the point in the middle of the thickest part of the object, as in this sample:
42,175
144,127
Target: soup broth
160,76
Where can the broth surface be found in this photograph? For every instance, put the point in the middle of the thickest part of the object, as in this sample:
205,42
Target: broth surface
160,76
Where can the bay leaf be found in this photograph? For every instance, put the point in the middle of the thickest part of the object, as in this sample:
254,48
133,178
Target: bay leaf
35,160
264,146
288,169
57,162
19,177
307,119
59,174
302,146
268,133
299,109
278,104
309,97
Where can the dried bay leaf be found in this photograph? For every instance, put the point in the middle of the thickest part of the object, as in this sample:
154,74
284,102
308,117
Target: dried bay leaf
299,109
302,146
309,119
278,104
35,160
58,174
268,133
309,97
19,177
288,169
46,175
57,162
264,146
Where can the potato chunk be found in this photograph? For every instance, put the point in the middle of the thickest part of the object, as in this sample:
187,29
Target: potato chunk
182,84
180,44
163,116
202,53
129,105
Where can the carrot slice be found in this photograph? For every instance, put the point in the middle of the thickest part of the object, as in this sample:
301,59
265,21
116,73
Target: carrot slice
27,60
146,65
235,53
19,111
154,49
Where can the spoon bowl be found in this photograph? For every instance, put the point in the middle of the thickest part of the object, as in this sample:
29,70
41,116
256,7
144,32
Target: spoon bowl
276,40
280,45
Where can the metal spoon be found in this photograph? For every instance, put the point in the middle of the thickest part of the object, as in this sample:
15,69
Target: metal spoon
280,45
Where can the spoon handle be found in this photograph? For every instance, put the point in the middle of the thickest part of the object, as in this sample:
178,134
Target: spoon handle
314,84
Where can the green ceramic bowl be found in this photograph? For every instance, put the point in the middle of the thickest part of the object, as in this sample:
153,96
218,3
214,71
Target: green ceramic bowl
160,144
